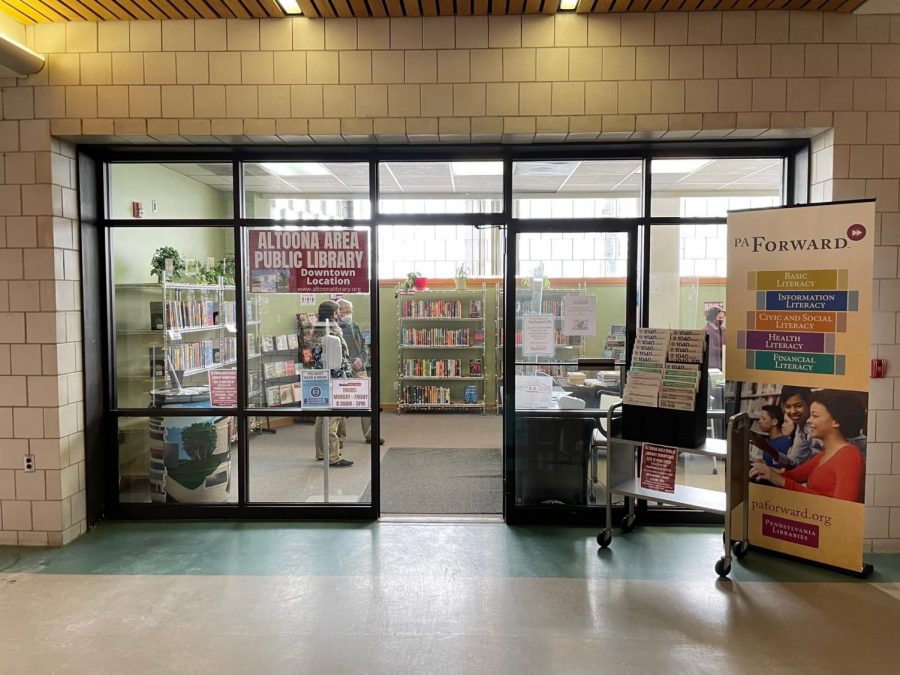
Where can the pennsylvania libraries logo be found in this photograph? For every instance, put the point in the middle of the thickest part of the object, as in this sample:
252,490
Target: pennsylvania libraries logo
856,232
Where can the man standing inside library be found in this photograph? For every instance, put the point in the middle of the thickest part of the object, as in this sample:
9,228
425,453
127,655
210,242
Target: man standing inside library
359,359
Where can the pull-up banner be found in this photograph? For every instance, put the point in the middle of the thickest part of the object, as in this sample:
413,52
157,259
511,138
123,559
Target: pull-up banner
797,357
308,261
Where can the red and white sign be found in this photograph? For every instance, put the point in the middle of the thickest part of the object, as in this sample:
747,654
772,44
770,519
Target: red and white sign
223,388
351,392
309,261
658,464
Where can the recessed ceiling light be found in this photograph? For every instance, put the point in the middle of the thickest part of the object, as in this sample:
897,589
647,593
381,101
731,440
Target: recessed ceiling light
568,5
290,6
296,169
677,165
477,168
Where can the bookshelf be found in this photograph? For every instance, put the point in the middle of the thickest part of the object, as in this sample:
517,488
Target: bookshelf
441,338
170,335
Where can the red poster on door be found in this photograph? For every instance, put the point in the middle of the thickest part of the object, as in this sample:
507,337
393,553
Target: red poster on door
309,261
658,467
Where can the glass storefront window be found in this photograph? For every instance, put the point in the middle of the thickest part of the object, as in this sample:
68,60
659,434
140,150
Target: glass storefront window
290,273
709,188
563,314
440,187
176,324
169,459
190,190
284,467
577,189
293,191
437,251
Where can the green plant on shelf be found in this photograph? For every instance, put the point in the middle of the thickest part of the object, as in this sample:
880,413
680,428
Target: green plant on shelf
158,263
408,284
462,276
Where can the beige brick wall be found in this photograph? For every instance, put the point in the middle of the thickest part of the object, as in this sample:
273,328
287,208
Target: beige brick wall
832,77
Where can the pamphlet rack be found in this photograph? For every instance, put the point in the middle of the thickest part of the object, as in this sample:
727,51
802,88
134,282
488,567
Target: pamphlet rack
684,428
623,478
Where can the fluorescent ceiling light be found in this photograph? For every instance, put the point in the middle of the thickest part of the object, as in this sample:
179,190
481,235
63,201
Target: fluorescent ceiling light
677,165
295,169
290,6
477,168
568,5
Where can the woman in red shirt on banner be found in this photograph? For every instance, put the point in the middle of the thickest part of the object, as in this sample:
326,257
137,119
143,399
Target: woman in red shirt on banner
839,469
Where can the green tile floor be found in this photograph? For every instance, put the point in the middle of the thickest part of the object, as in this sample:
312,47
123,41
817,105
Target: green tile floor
470,550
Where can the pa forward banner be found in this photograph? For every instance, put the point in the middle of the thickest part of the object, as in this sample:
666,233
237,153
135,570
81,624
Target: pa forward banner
308,261
797,357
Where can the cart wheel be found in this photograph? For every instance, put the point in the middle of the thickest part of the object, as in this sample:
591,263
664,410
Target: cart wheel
604,538
723,567
739,548
627,523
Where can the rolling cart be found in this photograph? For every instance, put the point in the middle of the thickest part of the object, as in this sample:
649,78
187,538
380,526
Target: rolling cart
623,478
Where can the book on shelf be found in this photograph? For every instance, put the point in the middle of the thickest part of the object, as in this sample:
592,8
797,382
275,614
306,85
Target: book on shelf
280,369
157,315
475,367
273,395
281,343
286,393
268,343
297,391
478,337
475,309
269,370
290,368
293,342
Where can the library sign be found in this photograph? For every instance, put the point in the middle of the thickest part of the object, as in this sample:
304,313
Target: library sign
799,300
309,261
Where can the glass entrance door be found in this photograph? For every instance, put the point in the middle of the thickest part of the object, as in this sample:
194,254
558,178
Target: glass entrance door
570,303
309,327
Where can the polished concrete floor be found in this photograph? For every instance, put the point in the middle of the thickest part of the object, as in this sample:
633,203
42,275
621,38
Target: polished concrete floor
220,597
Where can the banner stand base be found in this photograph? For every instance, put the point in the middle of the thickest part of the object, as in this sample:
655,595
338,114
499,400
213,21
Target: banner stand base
863,573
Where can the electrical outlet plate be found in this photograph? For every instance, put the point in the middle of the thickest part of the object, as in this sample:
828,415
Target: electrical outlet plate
29,463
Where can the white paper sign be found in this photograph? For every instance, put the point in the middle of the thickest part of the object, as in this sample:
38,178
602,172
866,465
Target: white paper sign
538,335
350,392
534,391
580,315
307,298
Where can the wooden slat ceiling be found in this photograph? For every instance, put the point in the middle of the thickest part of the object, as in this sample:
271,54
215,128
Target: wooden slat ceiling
47,11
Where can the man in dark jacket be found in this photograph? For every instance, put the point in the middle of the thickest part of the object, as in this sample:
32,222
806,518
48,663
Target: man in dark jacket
359,358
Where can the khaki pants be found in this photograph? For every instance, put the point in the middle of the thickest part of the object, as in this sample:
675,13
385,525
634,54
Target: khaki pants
366,422
334,443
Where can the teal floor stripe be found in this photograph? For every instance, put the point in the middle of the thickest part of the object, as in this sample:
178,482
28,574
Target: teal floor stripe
407,549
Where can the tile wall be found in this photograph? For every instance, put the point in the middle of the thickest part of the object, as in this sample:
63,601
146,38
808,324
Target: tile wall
571,77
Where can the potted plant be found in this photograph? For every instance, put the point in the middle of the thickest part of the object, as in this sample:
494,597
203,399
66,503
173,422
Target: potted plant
158,263
413,280
462,276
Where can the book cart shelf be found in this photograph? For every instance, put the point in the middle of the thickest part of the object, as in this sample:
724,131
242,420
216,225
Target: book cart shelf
441,344
623,464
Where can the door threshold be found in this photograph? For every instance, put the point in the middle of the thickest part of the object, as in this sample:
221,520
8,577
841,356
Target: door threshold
441,518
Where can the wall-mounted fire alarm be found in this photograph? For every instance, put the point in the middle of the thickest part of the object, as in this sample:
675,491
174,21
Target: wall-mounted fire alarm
137,210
